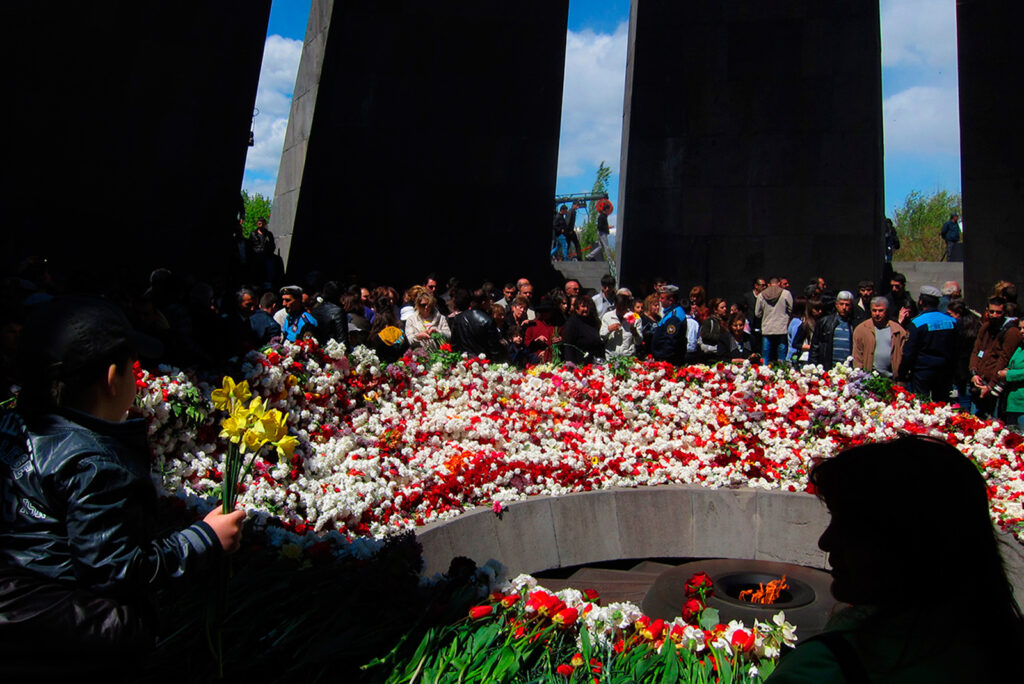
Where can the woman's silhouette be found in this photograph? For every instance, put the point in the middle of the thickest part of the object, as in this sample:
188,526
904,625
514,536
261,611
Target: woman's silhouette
913,550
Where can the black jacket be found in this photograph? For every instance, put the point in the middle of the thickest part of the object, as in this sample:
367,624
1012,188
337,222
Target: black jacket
79,552
824,335
930,351
581,342
331,323
474,332
79,507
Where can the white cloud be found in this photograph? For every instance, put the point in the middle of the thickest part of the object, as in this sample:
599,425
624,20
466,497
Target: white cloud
918,32
263,186
274,100
922,121
595,78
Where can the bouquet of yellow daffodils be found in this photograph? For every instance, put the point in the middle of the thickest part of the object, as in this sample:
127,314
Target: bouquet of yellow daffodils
249,426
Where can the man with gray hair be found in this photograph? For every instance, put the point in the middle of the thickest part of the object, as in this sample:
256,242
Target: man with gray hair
878,342
832,342
950,291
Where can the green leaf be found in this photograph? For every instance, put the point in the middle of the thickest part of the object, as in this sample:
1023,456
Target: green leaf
725,666
709,618
671,662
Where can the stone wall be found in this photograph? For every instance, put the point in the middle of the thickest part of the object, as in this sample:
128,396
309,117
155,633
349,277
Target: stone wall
670,521
752,143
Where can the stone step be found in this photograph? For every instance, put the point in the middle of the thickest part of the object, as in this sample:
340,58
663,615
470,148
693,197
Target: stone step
611,585
649,567
920,273
605,575
587,272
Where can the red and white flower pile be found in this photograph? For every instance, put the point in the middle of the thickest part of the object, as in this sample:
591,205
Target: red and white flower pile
383,449
526,632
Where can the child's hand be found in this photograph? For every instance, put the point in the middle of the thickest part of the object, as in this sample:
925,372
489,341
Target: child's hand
227,526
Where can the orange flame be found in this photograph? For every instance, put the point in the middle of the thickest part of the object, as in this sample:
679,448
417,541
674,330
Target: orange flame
766,594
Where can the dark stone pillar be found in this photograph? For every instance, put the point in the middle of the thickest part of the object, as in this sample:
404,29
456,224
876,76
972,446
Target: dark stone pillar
129,125
432,144
990,58
752,143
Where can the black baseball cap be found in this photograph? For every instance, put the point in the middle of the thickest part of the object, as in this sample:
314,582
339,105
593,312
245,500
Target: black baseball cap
68,334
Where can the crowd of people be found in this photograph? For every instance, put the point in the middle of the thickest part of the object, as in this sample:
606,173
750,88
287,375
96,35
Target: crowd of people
934,344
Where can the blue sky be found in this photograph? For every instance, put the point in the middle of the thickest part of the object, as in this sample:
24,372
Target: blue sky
919,90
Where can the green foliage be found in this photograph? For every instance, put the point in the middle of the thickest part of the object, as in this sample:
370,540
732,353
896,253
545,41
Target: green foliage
256,206
880,386
441,353
189,407
621,366
588,231
919,221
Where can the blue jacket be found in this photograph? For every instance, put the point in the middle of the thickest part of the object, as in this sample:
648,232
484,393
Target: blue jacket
931,346
79,507
669,337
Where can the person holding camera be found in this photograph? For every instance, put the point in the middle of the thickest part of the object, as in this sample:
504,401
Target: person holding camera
997,340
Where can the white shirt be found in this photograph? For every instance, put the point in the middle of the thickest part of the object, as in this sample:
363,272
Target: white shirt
621,342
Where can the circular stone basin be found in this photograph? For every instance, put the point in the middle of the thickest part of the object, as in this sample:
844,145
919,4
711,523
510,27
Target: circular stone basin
728,588
808,604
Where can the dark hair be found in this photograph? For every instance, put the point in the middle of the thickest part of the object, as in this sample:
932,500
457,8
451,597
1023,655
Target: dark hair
461,299
67,345
799,307
996,301
898,277
331,291
916,497
352,303
736,317
929,301
267,300
384,317
591,316
607,280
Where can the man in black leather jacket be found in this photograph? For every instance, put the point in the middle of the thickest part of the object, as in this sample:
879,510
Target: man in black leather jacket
331,319
79,552
823,342
473,330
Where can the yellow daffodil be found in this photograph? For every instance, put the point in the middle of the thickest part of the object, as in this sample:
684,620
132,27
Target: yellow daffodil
257,408
252,440
286,446
232,428
273,425
222,398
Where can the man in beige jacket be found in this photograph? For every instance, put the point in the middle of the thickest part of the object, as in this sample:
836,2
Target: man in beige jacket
878,342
